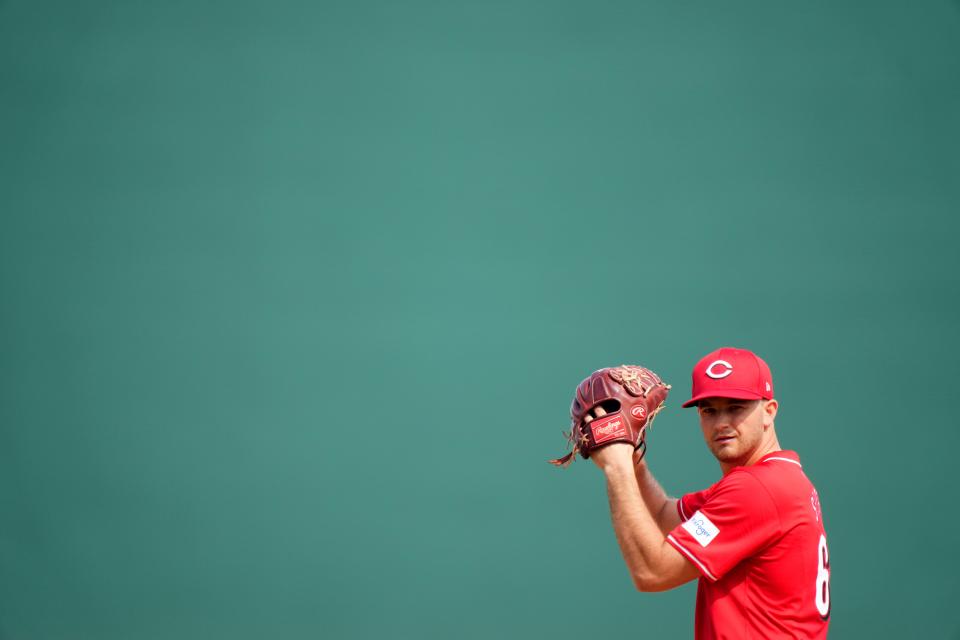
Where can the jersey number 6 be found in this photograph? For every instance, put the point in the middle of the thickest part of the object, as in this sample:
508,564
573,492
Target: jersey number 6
823,579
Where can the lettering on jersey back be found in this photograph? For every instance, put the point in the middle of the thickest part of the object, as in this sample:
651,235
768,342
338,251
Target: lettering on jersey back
815,503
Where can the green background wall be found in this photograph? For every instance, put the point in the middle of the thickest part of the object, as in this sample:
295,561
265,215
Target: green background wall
294,296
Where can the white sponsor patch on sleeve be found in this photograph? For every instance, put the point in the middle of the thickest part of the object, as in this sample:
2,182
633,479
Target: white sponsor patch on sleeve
700,527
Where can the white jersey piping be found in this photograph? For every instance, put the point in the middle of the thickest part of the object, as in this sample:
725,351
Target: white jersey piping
679,546
784,460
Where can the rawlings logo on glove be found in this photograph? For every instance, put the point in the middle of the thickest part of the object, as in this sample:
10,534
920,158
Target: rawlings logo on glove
630,395
608,428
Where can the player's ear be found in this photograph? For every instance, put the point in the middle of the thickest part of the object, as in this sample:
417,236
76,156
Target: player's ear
769,411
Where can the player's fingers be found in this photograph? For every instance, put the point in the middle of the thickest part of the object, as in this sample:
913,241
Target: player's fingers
590,414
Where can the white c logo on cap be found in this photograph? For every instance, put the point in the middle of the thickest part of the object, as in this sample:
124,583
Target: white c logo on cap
723,374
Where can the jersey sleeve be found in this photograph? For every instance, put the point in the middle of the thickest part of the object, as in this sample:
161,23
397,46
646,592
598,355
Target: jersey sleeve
690,503
737,519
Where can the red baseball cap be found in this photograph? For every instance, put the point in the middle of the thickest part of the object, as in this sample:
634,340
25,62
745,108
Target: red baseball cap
731,373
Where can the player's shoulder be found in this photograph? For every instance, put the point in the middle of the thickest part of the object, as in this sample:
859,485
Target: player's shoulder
782,466
773,475
781,474
739,497
744,487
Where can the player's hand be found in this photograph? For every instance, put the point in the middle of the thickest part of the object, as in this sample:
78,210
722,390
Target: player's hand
613,453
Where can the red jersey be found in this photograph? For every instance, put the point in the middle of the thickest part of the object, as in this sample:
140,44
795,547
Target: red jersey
757,538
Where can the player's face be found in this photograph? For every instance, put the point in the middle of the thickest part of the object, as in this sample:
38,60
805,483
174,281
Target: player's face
733,429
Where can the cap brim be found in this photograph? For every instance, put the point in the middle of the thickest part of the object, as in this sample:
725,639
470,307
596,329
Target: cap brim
736,394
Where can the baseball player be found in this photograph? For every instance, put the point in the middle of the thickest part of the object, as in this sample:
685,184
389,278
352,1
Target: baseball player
755,539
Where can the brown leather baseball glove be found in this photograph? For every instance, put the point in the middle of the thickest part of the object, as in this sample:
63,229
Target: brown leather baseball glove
631,396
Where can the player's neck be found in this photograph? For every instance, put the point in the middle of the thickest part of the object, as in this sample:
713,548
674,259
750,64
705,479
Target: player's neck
768,445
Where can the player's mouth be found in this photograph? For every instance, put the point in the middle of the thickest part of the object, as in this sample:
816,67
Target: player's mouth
723,439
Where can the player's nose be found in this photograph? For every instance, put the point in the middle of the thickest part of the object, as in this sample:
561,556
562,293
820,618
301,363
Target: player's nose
722,421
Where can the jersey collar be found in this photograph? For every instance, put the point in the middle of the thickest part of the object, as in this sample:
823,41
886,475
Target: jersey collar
781,456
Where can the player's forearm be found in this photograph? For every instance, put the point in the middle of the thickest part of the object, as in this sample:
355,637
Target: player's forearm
638,533
661,506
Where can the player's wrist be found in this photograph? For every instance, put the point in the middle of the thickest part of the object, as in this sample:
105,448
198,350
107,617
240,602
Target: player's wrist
639,461
618,455
640,455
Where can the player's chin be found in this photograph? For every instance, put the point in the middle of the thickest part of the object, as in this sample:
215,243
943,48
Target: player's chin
726,451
